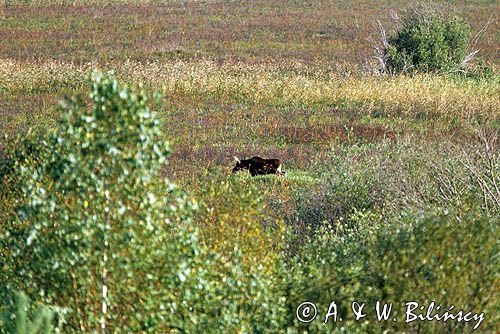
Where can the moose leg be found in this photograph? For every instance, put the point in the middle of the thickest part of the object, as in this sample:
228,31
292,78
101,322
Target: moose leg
279,172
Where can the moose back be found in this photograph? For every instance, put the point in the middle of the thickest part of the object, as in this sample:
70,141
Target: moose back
258,166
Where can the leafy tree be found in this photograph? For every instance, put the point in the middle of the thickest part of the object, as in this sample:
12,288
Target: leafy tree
97,227
102,234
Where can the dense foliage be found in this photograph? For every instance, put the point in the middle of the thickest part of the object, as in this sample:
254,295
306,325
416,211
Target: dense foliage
20,322
428,42
424,260
369,245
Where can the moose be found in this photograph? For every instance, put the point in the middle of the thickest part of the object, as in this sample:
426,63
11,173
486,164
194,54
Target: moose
259,166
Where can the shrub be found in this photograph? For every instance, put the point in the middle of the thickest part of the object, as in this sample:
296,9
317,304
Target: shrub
25,150
482,71
428,42
233,220
233,214
385,179
446,258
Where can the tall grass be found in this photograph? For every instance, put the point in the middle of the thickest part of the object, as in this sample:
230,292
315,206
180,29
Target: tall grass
274,84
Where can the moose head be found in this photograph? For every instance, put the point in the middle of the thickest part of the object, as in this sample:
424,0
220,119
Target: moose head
258,166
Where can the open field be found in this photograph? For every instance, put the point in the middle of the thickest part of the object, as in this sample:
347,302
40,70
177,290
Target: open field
332,32
392,184
212,112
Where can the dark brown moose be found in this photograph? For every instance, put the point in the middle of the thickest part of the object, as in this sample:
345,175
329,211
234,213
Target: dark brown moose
259,166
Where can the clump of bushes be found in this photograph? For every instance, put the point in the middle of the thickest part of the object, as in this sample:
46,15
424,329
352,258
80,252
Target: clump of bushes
383,180
447,258
427,41
40,323
233,213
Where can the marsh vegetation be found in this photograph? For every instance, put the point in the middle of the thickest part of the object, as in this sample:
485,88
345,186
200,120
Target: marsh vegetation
118,207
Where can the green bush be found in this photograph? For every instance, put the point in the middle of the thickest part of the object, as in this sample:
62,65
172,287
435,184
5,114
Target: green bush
448,258
233,213
370,186
481,71
233,223
25,150
428,42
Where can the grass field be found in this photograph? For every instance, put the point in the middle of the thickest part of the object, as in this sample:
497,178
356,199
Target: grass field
292,80
333,33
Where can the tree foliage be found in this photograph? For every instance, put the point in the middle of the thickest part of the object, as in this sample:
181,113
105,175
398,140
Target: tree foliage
97,226
101,234
20,322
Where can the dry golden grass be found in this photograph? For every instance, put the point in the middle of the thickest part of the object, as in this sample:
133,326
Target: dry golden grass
274,84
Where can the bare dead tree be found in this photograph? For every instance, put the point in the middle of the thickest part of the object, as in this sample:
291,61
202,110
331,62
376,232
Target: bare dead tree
380,48
472,51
